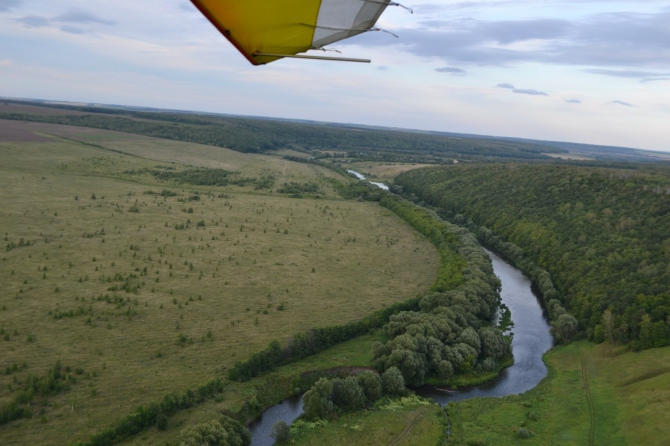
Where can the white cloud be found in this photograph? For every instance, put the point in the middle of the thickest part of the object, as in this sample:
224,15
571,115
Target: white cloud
529,91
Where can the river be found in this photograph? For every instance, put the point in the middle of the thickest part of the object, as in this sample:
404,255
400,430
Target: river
531,340
361,177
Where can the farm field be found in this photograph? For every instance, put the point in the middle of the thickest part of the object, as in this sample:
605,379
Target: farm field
141,286
594,395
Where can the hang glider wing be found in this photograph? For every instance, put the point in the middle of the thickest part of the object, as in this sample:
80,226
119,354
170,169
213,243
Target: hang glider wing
267,30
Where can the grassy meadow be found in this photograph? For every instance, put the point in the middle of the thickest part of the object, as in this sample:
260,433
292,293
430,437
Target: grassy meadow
142,287
421,424
594,395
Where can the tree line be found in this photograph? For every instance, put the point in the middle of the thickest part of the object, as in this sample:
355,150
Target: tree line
255,135
205,177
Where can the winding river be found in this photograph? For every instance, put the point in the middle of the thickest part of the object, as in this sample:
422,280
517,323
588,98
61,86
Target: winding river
361,177
531,340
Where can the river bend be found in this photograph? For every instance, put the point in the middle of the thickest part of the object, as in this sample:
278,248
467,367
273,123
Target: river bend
531,340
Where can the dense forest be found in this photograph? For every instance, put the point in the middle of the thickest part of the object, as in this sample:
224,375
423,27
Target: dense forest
601,233
255,135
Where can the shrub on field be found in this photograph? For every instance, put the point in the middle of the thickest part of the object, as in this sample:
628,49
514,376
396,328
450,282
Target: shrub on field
522,432
162,422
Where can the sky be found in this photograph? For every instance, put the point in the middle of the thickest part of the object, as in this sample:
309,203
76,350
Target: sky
589,71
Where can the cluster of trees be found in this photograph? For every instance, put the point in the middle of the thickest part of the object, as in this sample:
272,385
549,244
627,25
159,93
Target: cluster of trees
601,234
222,432
329,397
22,243
261,135
299,188
205,177
358,190
57,380
452,332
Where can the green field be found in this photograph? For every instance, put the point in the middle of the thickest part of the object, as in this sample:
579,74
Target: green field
142,287
414,424
594,395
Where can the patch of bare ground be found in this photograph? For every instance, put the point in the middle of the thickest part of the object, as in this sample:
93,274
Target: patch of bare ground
17,131
36,109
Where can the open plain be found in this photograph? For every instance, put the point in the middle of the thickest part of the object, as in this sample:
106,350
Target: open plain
142,286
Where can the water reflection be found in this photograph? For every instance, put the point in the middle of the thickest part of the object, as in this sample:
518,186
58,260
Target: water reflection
261,428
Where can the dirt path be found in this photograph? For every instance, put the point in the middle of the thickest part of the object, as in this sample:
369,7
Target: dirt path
404,433
589,399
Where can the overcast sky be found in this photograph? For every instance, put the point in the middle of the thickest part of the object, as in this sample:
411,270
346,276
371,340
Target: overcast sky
591,71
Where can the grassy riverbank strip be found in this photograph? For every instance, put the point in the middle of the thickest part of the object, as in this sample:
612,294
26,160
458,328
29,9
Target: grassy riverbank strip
408,421
621,397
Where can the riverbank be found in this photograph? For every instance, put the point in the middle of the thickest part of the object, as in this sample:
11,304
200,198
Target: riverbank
461,382
411,424
593,394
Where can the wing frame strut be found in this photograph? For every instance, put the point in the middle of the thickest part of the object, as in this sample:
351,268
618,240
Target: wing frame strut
306,56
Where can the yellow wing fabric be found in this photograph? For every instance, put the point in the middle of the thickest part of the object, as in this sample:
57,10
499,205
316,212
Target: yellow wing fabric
288,26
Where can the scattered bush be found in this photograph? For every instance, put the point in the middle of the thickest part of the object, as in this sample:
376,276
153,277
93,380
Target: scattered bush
162,422
523,433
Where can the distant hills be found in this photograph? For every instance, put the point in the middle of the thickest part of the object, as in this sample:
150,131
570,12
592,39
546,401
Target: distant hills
262,134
